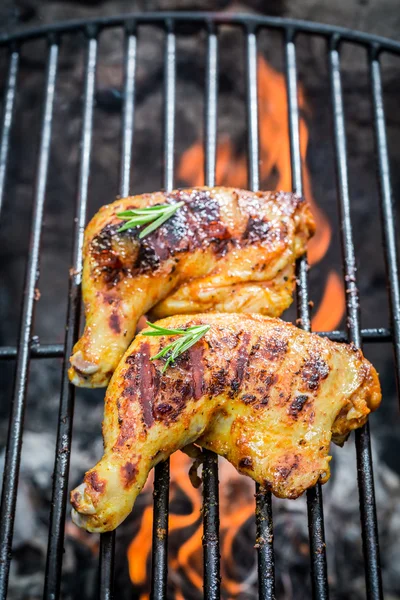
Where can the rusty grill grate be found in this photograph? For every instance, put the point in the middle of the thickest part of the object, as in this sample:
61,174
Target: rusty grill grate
26,349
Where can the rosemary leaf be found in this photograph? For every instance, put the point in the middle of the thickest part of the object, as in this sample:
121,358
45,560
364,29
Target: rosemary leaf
188,337
154,215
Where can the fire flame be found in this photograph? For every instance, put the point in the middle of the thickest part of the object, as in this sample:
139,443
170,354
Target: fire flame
236,492
231,170
186,558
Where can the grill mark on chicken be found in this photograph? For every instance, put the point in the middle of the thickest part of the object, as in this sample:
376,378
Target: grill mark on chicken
168,413
110,299
241,362
281,442
174,237
211,228
95,482
287,201
196,361
189,383
230,341
146,385
246,463
177,391
256,229
125,437
268,380
127,431
76,498
314,370
297,406
163,409
217,382
248,398
274,348
141,385
148,259
202,242
129,473
292,464
255,347
114,322
197,225
106,262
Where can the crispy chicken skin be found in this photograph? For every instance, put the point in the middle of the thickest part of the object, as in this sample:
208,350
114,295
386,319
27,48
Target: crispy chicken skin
258,391
225,250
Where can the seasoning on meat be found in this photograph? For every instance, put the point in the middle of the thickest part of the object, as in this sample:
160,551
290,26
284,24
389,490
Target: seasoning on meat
265,395
224,250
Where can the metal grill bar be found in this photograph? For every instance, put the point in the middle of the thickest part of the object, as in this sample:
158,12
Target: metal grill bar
211,111
36,351
390,234
211,555
319,576
161,473
369,524
67,397
264,524
170,91
8,112
203,18
107,540
252,111
14,440
128,107
106,566
373,335
159,570
212,580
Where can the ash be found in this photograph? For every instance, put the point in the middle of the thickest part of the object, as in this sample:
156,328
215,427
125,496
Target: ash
342,525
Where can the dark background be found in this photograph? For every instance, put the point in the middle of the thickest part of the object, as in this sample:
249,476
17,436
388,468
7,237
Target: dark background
340,495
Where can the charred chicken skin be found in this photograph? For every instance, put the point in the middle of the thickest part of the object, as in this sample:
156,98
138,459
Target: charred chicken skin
258,391
224,250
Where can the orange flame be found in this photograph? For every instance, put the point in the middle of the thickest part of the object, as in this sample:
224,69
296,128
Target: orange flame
274,160
186,560
140,546
236,491
274,153
332,306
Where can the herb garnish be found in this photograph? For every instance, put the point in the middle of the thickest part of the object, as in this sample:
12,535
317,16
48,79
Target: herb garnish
190,336
155,215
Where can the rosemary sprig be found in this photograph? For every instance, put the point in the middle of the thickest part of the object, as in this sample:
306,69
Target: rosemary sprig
155,215
190,336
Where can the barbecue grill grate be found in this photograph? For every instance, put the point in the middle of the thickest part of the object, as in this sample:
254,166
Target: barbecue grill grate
28,349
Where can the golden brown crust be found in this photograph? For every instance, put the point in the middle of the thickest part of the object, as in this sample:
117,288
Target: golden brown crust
199,224
258,391
225,250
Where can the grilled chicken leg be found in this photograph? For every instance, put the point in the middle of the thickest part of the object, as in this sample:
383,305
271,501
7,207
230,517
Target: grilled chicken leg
260,392
225,250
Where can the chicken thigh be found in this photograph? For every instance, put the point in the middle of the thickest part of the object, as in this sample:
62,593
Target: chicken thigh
224,250
258,391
